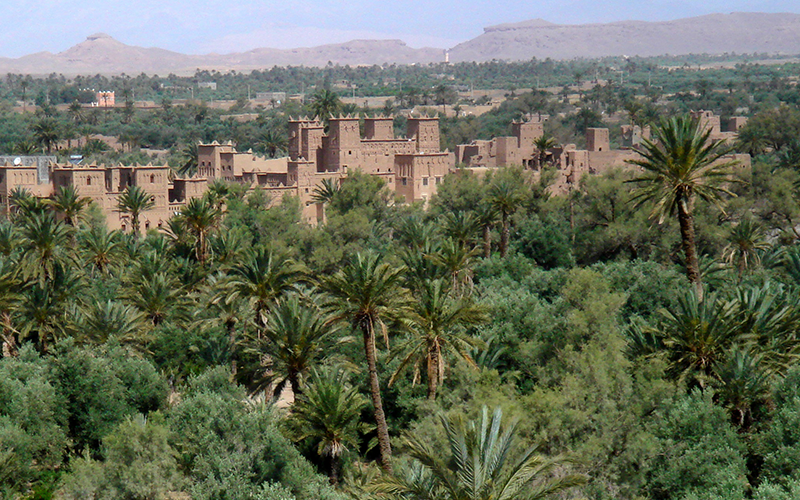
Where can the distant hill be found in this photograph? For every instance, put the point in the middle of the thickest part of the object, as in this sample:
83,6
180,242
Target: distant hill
100,53
714,34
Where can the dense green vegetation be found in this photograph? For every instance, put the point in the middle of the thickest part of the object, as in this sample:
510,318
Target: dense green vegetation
500,344
631,340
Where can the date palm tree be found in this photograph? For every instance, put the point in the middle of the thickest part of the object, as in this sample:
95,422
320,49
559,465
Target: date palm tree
505,195
681,164
45,244
135,201
199,217
99,321
483,463
296,336
69,204
542,144
100,247
329,412
367,294
438,321
260,279
745,242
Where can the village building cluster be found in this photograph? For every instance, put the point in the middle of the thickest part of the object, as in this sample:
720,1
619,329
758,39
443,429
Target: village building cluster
412,166
569,162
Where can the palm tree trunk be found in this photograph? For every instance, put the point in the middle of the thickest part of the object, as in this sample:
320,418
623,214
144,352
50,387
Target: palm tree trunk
375,391
433,371
487,241
504,236
333,474
686,222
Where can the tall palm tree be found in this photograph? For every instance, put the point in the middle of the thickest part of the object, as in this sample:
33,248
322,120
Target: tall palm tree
69,204
329,412
135,201
484,464
505,194
682,163
367,293
199,217
486,214
271,142
437,322
296,336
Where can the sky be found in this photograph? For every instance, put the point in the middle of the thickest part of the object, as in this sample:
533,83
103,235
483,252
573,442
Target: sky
205,26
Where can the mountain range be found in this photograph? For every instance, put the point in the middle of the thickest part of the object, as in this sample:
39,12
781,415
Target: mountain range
713,34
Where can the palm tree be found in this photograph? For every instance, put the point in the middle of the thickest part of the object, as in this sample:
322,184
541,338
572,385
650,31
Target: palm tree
505,195
69,204
23,204
188,166
199,217
745,242
45,244
260,279
461,226
100,321
46,133
158,298
486,215
542,144
680,164
296,335
483,464
42,313
367,293
696,336
10,297
324,193
271,142
457,259
100,247
437,322
135,201
325,103
329,412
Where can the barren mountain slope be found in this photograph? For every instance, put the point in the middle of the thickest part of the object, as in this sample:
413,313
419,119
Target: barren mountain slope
715,33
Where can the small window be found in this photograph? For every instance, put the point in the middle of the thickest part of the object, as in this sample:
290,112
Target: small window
405,181
88,180
424,181
152,179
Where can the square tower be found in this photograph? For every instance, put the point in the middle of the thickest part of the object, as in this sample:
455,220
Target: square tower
425,132
597,139
343,144
380,128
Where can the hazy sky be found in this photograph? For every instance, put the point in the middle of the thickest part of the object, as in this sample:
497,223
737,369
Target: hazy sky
202,26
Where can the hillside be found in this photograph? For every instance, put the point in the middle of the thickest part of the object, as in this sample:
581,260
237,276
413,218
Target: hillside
715,33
